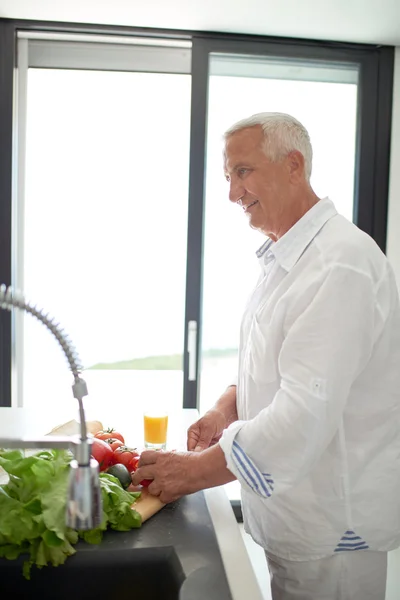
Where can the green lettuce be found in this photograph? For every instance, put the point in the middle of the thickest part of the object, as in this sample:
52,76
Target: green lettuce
33,509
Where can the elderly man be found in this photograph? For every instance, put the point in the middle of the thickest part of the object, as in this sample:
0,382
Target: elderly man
312,429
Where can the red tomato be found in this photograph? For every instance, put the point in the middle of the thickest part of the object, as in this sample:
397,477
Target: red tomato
134,465
146,482
114,443
134,462
102,452
106,434
125,456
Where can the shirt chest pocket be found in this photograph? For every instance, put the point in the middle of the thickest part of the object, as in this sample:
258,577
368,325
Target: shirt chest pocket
260,361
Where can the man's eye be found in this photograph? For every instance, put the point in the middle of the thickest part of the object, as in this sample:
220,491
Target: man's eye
242,171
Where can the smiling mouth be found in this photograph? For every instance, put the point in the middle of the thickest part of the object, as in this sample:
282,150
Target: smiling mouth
246,208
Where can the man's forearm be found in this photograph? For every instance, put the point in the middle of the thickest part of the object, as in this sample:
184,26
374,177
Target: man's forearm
226,405
210,468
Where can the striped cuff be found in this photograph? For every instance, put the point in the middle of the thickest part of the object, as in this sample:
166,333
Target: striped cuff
242,466
351,542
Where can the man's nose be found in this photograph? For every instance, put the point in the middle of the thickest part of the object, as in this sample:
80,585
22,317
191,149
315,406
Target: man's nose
236,191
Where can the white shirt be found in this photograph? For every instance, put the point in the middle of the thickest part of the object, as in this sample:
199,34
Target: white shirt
317,445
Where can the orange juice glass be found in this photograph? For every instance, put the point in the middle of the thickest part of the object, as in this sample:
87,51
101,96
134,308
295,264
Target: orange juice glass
155,430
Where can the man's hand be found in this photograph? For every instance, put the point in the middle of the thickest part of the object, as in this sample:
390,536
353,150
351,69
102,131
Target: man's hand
176,474
207,431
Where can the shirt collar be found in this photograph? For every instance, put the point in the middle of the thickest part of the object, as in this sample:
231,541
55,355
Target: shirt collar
288,249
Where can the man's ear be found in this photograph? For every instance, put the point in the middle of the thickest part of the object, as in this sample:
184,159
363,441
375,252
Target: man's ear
296,166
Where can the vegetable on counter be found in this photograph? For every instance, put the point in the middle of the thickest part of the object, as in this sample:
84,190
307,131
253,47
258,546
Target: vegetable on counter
127,457
33,508
106,434
122,456
134,465
122,474
114,443
103,453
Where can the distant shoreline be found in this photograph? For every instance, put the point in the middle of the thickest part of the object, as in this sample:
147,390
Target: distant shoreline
171,362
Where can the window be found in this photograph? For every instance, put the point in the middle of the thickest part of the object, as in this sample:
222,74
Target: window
105,227
104,224
117,193
323,97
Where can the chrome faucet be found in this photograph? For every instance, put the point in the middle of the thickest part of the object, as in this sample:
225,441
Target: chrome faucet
84,508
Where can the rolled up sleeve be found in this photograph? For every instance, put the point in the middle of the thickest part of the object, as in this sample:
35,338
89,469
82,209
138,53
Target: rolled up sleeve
324,350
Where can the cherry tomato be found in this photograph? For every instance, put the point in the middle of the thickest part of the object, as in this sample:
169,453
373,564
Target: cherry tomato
125,456
134,465
114,443
102,452
146,482
135,462
106,434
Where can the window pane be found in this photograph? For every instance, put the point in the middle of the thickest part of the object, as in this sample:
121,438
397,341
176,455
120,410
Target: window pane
105,232
328,109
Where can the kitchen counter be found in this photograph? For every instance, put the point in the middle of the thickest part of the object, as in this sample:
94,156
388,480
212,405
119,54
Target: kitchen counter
201,528
186,527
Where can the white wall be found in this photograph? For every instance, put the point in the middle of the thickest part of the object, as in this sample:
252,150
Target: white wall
393,230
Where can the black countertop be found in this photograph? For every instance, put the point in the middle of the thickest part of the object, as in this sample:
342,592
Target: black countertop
137,564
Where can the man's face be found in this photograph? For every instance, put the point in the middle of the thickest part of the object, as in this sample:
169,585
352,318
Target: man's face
263,187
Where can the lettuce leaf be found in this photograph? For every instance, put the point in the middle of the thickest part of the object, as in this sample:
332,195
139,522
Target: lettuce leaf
117,504
33,509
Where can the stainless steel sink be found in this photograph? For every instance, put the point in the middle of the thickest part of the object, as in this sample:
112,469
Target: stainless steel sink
140,574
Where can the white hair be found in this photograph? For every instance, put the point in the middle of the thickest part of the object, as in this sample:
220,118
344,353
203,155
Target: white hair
283,134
